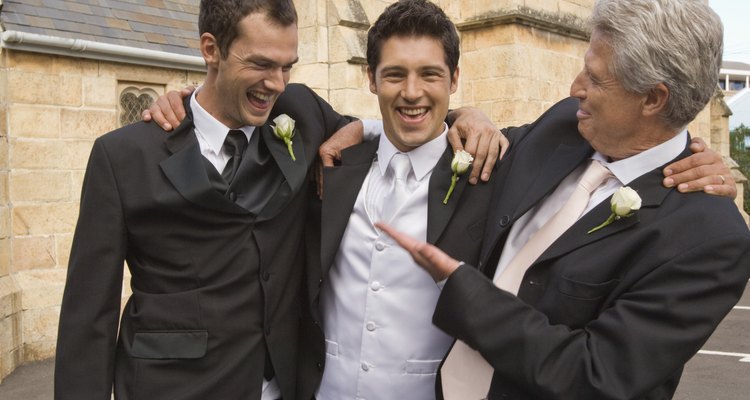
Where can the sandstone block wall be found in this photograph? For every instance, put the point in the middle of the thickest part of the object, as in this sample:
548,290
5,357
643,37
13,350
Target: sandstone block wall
51,110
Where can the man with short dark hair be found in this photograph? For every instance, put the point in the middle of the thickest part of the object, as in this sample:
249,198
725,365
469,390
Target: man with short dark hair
367,325
208,219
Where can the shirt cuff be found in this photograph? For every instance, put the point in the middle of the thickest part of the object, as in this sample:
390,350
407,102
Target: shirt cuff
373,128
440,284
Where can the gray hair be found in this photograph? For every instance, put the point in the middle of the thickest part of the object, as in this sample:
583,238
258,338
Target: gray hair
674,42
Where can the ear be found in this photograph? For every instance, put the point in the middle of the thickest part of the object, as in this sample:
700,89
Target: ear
210,50
373,84
454,80
656,100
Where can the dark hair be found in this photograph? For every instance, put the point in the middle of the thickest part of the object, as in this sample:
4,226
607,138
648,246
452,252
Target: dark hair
413,18
220,17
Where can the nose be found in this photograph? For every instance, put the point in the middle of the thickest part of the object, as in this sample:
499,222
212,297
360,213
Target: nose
276,79
577,88
412,89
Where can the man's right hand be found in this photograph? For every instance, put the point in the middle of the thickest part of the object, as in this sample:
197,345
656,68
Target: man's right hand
330,151
349,135
167,110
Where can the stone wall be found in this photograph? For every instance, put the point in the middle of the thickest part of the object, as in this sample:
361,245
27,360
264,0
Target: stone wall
51,110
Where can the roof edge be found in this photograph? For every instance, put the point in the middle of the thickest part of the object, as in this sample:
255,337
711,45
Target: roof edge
32,42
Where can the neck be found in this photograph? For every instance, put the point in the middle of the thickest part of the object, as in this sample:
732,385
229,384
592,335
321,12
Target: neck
645,139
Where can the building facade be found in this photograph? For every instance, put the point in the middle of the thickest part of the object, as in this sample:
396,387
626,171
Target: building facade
71,70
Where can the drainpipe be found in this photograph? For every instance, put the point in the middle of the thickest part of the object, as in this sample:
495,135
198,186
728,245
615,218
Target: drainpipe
36,43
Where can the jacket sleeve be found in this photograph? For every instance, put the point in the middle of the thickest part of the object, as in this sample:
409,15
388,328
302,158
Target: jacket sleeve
90,310
640,340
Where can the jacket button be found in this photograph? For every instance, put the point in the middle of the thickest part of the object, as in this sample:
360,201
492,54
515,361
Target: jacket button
268,331
232,196
266,275
504,221
320,366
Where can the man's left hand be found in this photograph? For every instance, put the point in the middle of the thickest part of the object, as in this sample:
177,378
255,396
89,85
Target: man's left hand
702,171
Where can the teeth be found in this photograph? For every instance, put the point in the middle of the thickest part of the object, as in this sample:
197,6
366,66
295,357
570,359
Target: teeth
413,111
261,96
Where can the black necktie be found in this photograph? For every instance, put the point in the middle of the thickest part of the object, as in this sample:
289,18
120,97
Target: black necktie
235,144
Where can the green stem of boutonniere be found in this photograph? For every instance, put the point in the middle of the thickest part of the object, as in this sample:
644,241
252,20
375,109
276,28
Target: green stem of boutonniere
289,147
454,179
609,220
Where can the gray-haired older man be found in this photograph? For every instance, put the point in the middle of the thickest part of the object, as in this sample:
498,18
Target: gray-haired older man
597,304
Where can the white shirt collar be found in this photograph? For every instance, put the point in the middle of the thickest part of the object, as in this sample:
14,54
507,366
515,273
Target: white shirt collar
423,158
628,169
209,128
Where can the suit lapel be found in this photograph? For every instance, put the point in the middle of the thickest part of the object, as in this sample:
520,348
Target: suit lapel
439,214
527,184
186,170
294,171
341,185
649,187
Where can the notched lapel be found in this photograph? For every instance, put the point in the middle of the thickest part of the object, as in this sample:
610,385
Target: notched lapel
560,164
577,235
529,180
186,171
439,214
294,171
341,186
649,188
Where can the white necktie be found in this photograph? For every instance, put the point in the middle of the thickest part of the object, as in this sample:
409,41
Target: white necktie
466,375
399,191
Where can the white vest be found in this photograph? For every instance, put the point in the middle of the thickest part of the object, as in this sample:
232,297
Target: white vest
377,307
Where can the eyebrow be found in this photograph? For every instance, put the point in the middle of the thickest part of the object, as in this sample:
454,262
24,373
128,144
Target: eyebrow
257,58
398,68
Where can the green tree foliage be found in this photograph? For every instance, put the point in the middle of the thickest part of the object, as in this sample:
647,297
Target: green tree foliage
739,138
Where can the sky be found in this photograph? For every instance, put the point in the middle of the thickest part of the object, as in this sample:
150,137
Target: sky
734,14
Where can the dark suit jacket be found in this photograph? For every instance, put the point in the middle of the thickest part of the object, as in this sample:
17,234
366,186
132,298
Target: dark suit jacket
614,314
212,283
457,227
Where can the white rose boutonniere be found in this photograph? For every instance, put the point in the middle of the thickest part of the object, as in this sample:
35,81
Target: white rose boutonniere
460,164
284,130
625,202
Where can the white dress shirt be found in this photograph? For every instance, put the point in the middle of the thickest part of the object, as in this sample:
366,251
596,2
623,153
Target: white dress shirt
211,135
624,171
377,303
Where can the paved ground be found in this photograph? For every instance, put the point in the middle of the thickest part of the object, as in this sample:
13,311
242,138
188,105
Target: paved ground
721,371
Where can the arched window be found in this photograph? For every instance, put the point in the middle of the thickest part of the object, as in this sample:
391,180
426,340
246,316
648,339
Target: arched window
133,101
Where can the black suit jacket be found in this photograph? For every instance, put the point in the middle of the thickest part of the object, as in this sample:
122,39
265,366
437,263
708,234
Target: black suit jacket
614,314
213,284
457,227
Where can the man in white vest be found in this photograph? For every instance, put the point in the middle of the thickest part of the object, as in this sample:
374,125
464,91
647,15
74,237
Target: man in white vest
367,294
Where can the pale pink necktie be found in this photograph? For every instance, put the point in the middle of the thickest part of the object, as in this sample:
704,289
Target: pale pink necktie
466,375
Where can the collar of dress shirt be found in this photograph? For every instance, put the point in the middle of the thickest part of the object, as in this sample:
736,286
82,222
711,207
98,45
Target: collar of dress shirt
209,128
423,158
628,169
